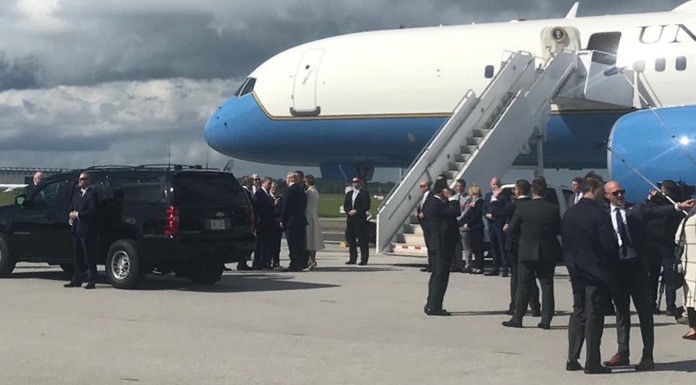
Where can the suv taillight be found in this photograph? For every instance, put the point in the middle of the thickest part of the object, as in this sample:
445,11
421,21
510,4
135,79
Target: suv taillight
172,227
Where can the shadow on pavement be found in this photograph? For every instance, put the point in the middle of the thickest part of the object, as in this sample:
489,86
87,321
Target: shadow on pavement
230,283
679,366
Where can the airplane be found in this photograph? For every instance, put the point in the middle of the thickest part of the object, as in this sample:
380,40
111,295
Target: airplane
373,99
5,187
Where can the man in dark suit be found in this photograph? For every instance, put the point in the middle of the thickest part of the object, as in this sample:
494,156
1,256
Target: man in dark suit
589,252
424,205
444,236
496,199
576,186
356,204
83,219
266,222
511,247
629,225
294,221
538,224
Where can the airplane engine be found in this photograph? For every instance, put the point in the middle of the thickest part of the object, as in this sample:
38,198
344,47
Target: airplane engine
654,144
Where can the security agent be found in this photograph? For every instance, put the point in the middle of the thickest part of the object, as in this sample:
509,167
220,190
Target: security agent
590,250
356,205
632,274
83,220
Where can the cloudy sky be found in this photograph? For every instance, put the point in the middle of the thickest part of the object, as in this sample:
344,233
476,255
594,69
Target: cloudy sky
86,82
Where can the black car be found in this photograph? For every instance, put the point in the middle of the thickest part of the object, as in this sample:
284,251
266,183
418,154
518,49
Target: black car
161,219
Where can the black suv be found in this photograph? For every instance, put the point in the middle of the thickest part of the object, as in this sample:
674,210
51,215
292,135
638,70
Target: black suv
160,219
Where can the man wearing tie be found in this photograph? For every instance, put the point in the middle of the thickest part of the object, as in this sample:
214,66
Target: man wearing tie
82,218
266,219
576,186
632,274
294,221
356,204
463,250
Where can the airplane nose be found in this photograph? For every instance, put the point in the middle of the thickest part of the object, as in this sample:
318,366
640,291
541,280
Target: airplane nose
218,130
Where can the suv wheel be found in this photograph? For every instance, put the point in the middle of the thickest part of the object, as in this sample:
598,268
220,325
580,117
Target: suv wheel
7,264
205,273
123,269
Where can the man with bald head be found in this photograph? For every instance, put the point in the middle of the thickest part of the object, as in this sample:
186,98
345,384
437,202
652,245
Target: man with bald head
632,273
38,176
494,201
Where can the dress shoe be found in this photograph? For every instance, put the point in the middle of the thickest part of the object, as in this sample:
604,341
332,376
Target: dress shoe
536,313
597,370
504,273
441,312
512,324
573,366
645,364
362,263
510,311
689,336
617,360
90,285
243,266
73,284
311,266
225,268
426,270
456,269
476,271
350,263
543,325
491,273
670,312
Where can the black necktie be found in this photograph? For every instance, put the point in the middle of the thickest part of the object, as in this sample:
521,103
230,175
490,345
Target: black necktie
621,226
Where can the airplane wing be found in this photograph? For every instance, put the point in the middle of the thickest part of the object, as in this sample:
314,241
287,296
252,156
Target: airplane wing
11,187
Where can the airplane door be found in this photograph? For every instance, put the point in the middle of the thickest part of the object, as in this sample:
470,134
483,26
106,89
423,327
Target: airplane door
559,38
304,95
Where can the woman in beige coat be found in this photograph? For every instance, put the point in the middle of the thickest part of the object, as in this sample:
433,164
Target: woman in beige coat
315,240
689,264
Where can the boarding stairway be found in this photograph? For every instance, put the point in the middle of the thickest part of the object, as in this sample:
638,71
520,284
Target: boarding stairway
485,134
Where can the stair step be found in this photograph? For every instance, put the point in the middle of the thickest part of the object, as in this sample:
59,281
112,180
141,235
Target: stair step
462,158
409,250
474,140
414,229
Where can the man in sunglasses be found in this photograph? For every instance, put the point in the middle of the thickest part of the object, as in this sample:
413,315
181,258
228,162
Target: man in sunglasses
356,205
82,218
632,274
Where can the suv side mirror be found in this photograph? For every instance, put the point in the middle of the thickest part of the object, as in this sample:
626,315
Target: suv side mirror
20,200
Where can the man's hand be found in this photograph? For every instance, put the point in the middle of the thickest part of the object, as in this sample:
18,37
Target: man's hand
420,215
73,215
497,192
686,205
466,227
352,212
506,228
489,216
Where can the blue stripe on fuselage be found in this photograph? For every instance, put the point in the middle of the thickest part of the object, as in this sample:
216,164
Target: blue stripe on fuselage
241,129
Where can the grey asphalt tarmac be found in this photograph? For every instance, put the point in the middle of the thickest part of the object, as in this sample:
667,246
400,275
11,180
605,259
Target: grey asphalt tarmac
336,325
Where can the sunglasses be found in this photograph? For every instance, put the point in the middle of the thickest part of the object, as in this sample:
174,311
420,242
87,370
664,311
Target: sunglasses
618,192
82,178
423,186
356,181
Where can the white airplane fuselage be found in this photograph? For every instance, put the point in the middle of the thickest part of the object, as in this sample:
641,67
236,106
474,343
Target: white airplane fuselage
376,98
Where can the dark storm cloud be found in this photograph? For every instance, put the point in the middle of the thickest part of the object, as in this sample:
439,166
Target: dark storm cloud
93,42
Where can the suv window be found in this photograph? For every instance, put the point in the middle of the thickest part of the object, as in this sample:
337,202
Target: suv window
52,195
138,189
208,189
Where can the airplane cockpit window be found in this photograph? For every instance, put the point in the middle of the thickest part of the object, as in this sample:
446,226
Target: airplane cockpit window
488,72
246,87
680,65
660,64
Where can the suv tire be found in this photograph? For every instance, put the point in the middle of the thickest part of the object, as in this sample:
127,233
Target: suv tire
123,267
205,272
7,263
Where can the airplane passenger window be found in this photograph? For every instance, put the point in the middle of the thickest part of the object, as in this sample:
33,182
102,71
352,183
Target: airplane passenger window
660,64
680,65
489,71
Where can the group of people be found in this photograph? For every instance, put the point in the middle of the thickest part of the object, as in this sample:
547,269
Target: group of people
614,251
295,213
